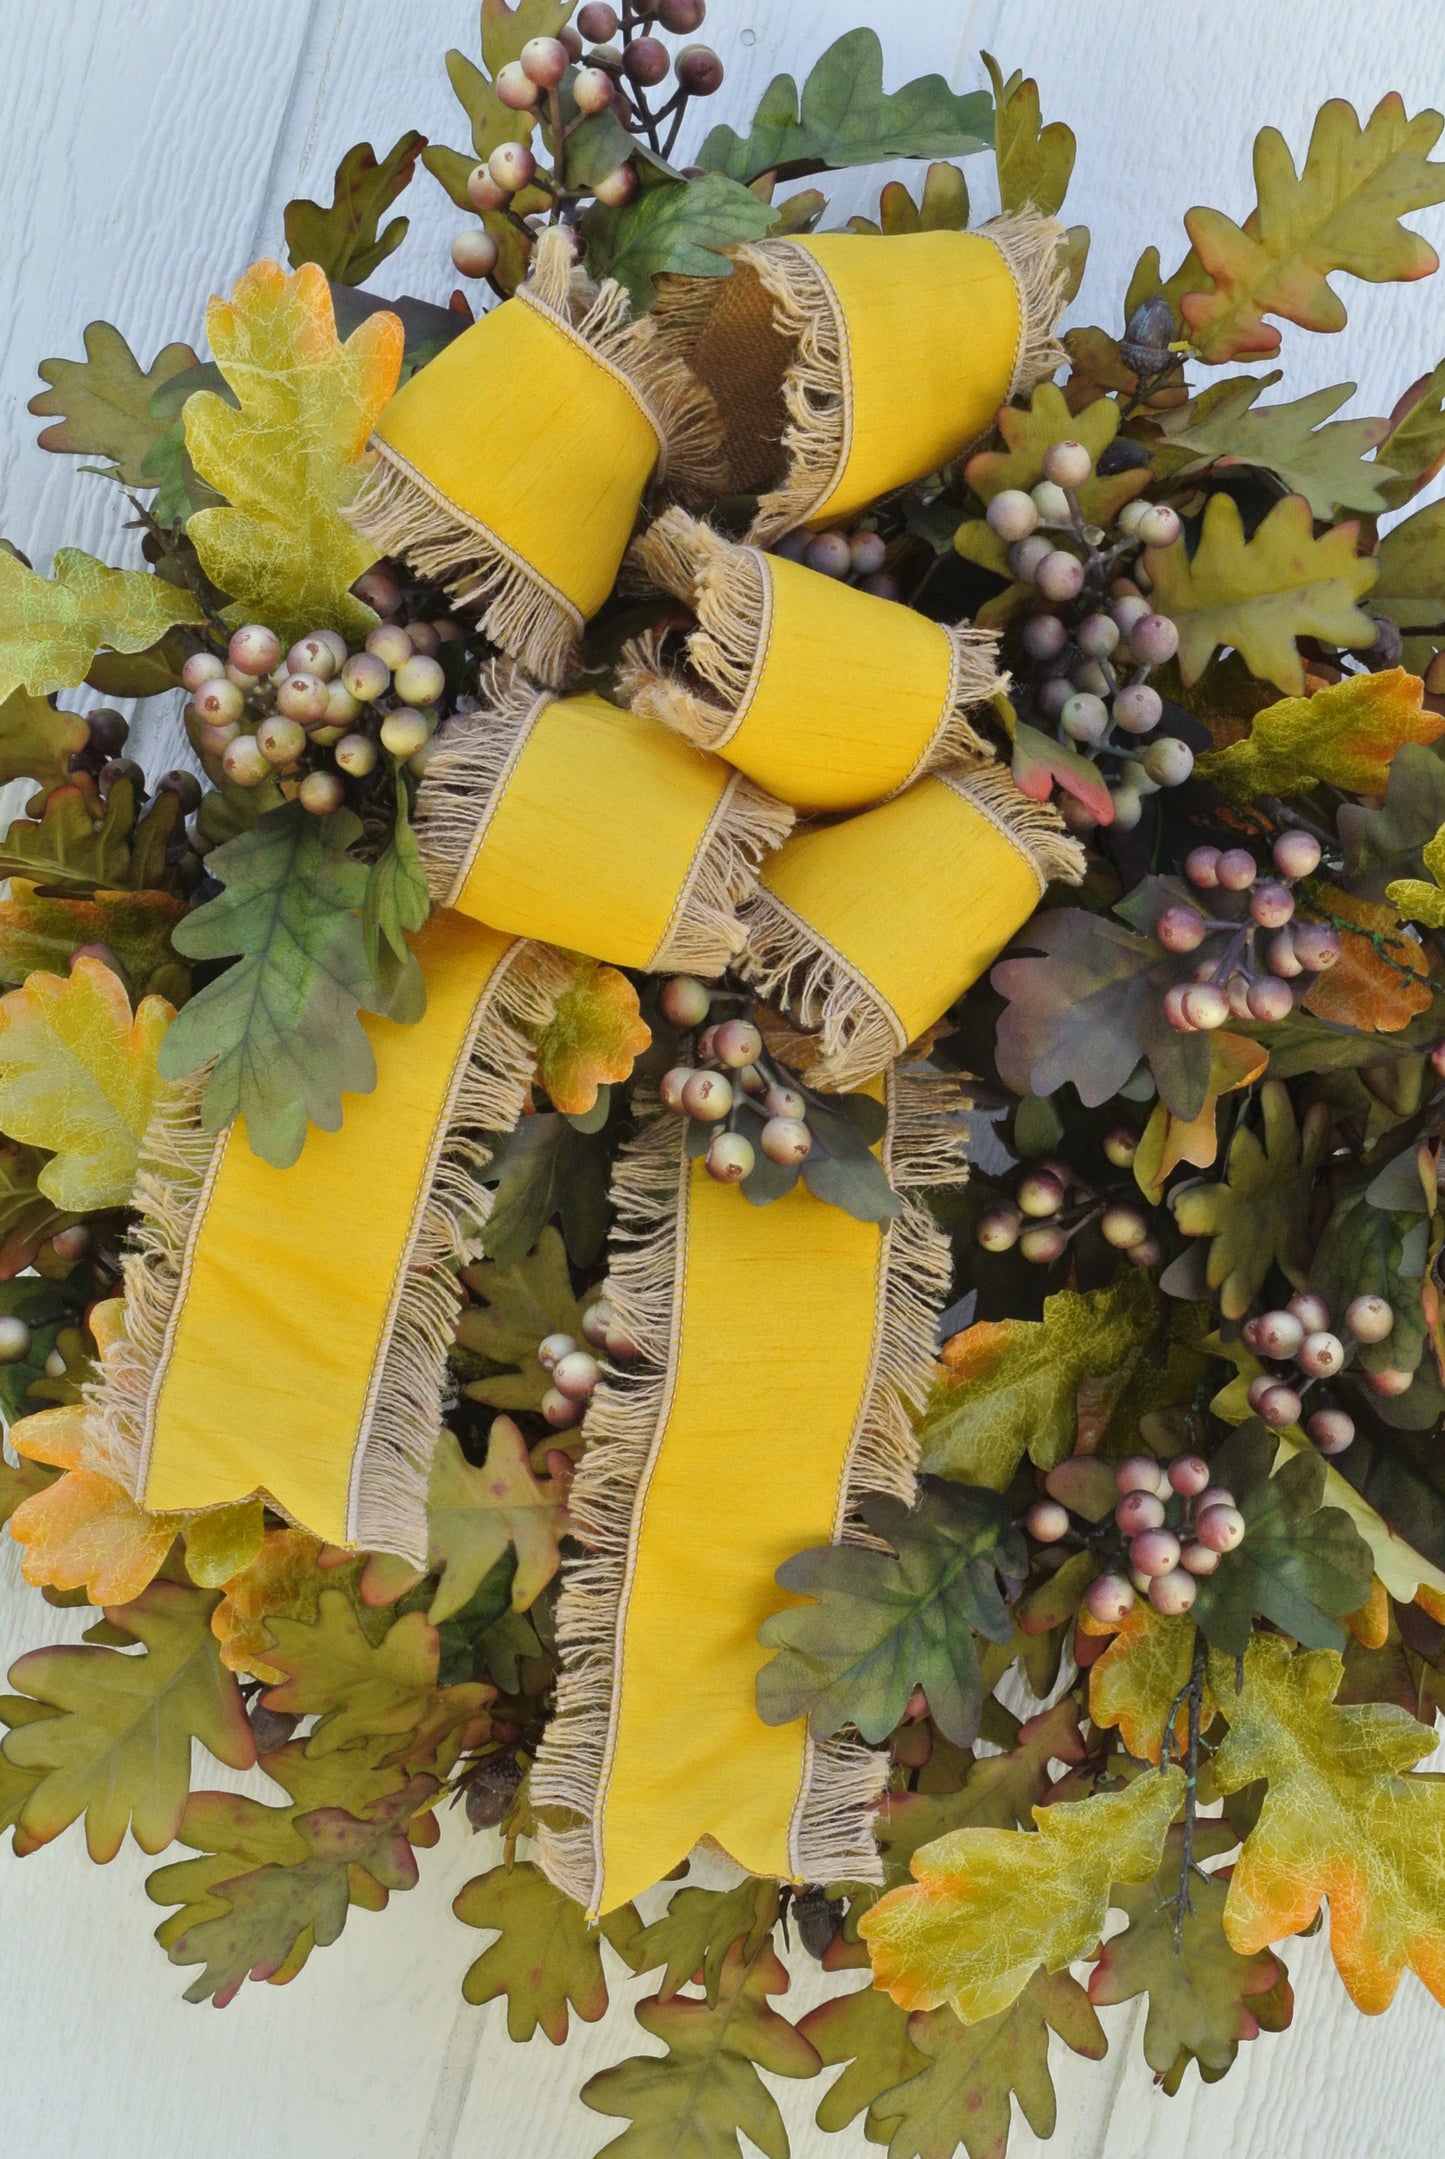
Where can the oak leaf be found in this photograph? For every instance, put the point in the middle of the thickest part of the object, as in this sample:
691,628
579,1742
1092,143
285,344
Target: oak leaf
1260,594
84,1531
1377,984
519,1306
1341,1819
475,1515
1323,462
1167,1140
1258,1217
1029,434
291,454
1012,1385
79,1077
51,629
37,741
595,1036
1202,1993
40,930
1034,162
1417,900
118,1750
281,1580
342,237
1347,735
693,1936
547,1957
988,1907
361,1689
885,1621
1411,590
104,401
1415,445
706,2089
1139,1681
1340,212
869,2033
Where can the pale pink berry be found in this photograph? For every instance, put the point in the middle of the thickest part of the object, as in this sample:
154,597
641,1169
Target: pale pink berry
684,1000
1025,556
869,551
313,655
419,680
281,741
738,1043
1109,1598
356,755
553,1348
1120,1146
1237,869
203,667
1043,1244
1188,1475
1259,1387
1173,1593
1155,1552
1060,576
1180,928
730,1158
1127,608
1321,1355
1174,1010
1437,1060
1123,1227
1047,1521
997,1228
561,1410
544,61
1310,1310
515,88
1281,956
321,793
1201,867
244,762
707,1096
390,644
592,89
1269,999
218,702
1369,1318
379,588
1147,1253
483,192
303,697
1271,903
595,1322
511,165
829,554
1067,464
1278,1334
1154,638
1279,1405
474,252
1296,854
618,187
254,649
1215,1495
1198,1559
787,1140
1391,1381
784,1102
1137,1473
1138,1511
1097,636
1044,636
1204,1005
1332,1430
1013,515
1159,526
366,677
1220,1528
576,1374
1317,946
1040,1193
1168,761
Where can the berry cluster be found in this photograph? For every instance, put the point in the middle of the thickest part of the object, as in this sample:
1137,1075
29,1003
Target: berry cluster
730,1072
1088,652
857,557
1176,1524
1297,1341
575,1371
1248,977
1040,1222
573,85
319,714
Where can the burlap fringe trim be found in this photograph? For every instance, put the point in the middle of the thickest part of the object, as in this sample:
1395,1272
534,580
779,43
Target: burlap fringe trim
404,514
1030,244
403,1411
466,781
729,590
791,965
830,1836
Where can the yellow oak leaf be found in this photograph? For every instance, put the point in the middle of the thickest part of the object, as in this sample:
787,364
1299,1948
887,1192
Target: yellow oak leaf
1416,900
84,1531
595,1036
293,455
282,1581
78,1077
1259,595
1346,735
223,1540
1341,212
1370,1625
1341,1819
1257,1216
1029,434
1167,1140
988,1907
52,628
1377,984
473,1515
1141,1676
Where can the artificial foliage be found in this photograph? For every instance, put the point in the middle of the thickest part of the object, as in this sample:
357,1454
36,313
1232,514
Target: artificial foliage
1140,1668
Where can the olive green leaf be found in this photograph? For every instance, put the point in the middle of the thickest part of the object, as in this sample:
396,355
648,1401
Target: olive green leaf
1034,162
1416,900
1412,813
870,2033
357,1688
544,1168
52,628
682,227
1029,433
516,1306
397,900
37,742
705,2091
1347,735
962,2095
1263,593
1258,1217
1011,1386
844,117
474,1516
942,206
1325,464
1300,1564
1367,1248
118,1748
79,844
1415,445
1201,1992
281,1024
1341,212
1411,590
104,401
42,929
546,1959
344,239
699,1927
885,1622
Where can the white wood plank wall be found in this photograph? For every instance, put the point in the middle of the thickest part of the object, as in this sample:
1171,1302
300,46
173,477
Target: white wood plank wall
152,145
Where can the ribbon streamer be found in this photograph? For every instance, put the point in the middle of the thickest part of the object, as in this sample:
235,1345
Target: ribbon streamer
287,1330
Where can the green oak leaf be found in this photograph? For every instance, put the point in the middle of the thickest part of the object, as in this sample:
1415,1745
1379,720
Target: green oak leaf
52,628
1417,900
1370,1248
104,401
1257,1217
885,1622
1411,587
1299,1564
698,1929
1011,1387
1034,162
844,117
1415,445
544,1168
1324,463
37,742
281,1024
343,239
681,227
397,900
1412,812
546,1960
513,1308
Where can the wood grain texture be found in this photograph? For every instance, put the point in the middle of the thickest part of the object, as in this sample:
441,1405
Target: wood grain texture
152,146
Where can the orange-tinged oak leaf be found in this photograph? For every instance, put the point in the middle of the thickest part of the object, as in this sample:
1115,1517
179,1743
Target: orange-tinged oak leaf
1377,984
1341,212
85,1532
1341,1819
1260,594
1346,735
78,1076
291,456
595,1036
988,1907
1167,1140
1141,1677
42,929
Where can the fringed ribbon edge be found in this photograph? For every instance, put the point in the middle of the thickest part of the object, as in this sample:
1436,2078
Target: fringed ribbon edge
392,1450
791,964
405,514
467,779
1030,244
730,591
830,1835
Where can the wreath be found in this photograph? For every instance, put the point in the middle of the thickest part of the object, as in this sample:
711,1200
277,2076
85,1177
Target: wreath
745,1173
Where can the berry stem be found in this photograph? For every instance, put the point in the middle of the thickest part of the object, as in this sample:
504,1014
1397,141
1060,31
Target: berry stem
559,144
678,108
1193,1690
